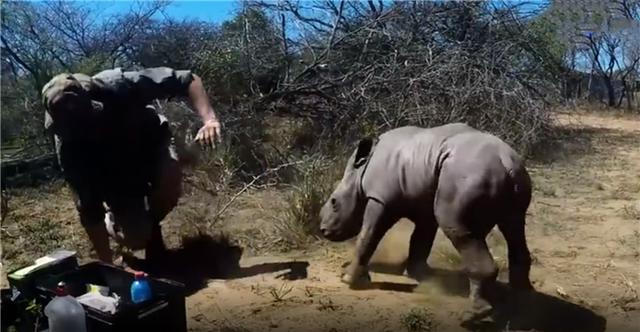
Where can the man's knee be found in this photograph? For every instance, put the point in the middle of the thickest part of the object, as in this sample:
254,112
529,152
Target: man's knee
90,213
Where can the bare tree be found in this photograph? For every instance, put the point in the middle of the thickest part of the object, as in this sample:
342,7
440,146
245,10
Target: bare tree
40,39
602,36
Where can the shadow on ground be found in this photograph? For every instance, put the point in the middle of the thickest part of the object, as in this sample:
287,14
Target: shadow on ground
526,311
205,257
516,311
387,286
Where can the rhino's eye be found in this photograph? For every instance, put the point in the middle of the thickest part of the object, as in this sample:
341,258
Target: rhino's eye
334,203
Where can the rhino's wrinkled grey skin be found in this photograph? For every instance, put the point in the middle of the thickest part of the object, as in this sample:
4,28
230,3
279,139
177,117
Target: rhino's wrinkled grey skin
455,177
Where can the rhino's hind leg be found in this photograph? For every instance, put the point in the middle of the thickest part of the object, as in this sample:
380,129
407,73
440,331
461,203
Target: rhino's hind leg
461,210
479,266
482,272
519,257
419,249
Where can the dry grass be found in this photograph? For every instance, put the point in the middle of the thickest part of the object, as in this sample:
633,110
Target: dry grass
632,211
326,304
297,223
418,320
38,221
280,294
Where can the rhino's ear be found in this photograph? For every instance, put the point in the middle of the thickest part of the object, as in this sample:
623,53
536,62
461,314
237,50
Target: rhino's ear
365,146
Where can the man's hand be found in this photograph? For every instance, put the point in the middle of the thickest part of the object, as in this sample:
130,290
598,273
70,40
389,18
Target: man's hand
209,134
121,263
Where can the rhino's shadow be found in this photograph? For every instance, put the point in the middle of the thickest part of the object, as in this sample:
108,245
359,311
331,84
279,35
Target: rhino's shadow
540,312
388,286
204,257
454,282
514,310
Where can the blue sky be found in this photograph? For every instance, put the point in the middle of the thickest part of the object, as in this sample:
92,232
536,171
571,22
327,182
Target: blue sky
215,11
205,10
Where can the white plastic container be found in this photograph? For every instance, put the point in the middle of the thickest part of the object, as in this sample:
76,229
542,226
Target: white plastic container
64,312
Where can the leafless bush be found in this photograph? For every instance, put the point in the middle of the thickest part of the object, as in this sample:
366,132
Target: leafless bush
367,67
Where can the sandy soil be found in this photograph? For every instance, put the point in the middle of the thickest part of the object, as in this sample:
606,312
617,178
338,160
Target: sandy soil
583,231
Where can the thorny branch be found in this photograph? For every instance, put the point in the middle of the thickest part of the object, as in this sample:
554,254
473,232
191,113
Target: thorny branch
250,184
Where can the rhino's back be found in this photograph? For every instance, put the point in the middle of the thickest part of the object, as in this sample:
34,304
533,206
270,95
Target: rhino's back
407,161
484,170
426,148
482,151
407,134
404,163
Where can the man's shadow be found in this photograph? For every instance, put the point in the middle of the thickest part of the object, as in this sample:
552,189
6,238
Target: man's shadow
204,257
515,310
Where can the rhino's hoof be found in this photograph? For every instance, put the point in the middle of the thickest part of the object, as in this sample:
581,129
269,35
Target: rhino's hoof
522,286
480,310
359,281
417,271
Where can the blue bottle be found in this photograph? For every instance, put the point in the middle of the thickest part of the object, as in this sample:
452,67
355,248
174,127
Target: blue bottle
140,288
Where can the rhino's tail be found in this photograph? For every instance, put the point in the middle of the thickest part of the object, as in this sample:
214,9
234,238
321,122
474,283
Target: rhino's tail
518,183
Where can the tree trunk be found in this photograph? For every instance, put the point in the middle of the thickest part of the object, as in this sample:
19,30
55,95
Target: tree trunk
624,94
629,89
611,93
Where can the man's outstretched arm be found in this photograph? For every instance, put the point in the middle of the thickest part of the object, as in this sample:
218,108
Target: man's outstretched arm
163,82
209,134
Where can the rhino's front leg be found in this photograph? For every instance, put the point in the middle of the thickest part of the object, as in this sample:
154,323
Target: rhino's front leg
420,247
376,222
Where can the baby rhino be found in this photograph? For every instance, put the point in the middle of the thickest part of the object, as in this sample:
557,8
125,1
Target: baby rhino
455,177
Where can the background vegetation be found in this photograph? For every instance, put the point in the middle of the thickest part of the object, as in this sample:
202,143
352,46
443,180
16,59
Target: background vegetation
295,83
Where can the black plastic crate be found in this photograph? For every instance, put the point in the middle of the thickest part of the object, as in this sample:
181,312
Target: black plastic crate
26,286
165,311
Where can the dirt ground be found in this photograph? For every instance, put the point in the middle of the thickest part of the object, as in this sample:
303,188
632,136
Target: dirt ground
583,230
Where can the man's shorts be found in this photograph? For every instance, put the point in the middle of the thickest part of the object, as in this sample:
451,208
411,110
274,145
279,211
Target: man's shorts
135,211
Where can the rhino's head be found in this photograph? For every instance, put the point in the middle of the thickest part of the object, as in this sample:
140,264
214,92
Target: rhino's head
341,216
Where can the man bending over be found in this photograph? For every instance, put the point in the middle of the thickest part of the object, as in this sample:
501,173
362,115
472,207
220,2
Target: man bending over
117,153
